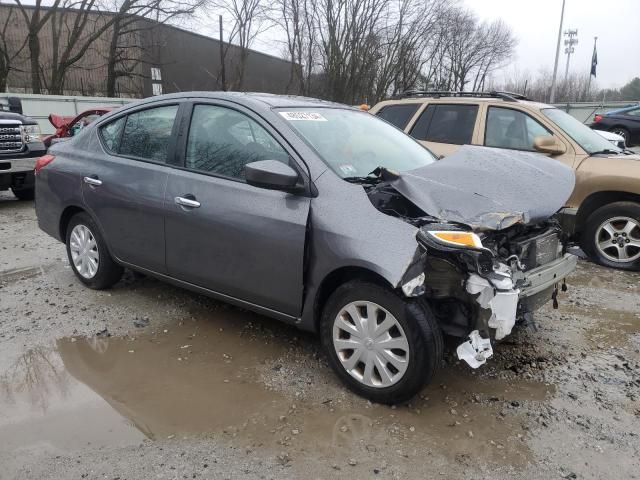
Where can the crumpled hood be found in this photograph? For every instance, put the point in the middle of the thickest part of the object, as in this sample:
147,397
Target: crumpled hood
489,188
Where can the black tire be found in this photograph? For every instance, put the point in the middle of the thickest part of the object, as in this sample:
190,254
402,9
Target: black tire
590,235
24,193
623,132
419,325
108,272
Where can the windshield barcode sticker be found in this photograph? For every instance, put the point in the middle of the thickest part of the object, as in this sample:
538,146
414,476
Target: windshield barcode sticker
308,116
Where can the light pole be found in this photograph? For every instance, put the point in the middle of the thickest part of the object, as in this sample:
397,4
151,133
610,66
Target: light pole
555,65
568,48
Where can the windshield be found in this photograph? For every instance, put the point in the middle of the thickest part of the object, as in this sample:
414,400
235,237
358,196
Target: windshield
354,143
589,140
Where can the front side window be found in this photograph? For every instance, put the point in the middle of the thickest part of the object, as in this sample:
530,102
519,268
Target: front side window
444,123
508,128
398,115
354,143
111,133
147,133
222,141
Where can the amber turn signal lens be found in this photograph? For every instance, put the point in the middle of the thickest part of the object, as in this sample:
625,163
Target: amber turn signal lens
467,239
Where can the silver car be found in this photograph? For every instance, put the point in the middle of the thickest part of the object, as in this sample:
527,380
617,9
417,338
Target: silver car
319,215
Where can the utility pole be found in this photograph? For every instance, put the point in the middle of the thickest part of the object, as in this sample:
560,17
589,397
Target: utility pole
555,65
568,48
222,70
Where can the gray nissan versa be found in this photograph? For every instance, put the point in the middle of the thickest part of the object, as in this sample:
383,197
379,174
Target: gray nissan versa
319,215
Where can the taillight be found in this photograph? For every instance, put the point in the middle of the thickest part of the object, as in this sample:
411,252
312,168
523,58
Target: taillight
597,118
43,161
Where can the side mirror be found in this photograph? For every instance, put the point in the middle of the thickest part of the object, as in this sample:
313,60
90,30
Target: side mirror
549,144
272,175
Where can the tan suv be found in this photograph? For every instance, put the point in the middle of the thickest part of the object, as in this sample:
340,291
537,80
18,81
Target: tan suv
603,212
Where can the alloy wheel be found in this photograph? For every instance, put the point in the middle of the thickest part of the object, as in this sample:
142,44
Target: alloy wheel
618,239
84,251
371,344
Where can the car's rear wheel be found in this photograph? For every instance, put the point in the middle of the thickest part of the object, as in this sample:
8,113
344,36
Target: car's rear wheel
383,347
612,235
624,133
24,193
88,254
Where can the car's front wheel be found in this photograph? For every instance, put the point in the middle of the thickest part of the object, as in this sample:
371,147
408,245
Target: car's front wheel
88,254
624,133
612,235
382,346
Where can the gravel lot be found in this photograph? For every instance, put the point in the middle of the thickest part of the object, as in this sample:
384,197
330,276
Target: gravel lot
149,381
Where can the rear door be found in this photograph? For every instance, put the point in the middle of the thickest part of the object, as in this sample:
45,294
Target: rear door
223,234
443,127
124,187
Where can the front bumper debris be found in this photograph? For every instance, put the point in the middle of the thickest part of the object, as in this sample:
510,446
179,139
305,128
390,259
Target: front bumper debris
502,294
476,350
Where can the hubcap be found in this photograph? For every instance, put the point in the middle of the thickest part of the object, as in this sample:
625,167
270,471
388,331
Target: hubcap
84,251
371,344
618,239
622,133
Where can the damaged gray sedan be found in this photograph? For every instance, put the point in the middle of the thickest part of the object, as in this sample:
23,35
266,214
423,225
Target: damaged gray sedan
319,215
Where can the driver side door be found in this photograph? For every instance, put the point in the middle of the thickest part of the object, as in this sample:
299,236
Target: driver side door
222,234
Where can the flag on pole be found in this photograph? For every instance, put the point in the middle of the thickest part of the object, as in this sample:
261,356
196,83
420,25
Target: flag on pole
594,60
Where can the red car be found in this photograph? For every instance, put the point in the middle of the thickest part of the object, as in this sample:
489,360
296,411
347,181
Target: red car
68,126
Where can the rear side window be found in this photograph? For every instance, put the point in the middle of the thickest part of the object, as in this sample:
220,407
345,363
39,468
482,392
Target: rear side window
398,115
635,113
147,133
446,124
111,133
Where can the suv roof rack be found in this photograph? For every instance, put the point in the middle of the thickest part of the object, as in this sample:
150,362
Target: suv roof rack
506,96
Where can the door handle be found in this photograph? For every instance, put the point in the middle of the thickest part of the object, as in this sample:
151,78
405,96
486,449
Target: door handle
187,202
93,181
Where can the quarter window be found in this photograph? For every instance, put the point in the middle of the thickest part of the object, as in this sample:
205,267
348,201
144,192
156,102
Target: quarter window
222,141
111,133
147,133
508,128
443,123
398,115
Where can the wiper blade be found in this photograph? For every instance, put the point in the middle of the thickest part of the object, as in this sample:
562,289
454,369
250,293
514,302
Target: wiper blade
606,151
368,179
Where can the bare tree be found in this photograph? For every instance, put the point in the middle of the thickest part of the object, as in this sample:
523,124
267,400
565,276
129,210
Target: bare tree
249,20
134,18
35,17
9,50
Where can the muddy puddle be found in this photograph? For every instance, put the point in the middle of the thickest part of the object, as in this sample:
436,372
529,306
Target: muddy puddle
201,379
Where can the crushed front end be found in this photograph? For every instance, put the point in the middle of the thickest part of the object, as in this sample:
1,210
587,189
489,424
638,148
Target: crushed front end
497,280
490,253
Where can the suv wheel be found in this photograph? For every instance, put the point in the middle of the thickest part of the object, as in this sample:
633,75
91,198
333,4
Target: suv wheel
383,347
24,193
88,254
612,235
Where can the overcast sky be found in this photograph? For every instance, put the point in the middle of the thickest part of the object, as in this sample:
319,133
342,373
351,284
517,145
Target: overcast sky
616,23
535,23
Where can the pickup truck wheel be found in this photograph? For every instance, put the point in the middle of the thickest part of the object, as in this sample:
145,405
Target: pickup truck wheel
385,348
612,235
24,193
88,254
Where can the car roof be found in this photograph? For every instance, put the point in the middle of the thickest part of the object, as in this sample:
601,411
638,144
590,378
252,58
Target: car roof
623,110
464,100
250,99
